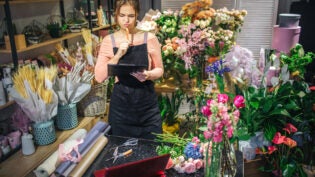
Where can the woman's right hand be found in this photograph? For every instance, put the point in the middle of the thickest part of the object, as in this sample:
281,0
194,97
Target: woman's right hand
123,47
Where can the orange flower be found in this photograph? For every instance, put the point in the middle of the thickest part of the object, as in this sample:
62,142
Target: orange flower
212,59
289,142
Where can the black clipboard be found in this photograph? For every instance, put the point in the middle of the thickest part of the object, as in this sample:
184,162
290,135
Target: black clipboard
124,69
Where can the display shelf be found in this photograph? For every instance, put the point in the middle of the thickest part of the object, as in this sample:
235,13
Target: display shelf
7,104
20,165
28,1
52,41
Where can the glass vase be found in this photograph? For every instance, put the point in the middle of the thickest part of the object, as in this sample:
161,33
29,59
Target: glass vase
213,161
220,160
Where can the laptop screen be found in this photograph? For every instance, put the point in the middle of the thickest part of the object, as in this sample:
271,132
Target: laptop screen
149,167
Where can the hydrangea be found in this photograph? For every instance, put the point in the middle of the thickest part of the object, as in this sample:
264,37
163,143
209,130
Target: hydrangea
192,150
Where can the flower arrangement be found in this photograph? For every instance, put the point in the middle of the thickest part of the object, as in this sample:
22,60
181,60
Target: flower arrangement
282,156
188,38
221,122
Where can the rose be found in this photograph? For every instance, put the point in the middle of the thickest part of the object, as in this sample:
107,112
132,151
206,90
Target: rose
198,163
239,101
189,167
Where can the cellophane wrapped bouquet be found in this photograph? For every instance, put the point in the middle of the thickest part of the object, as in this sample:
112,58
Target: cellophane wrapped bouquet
33,91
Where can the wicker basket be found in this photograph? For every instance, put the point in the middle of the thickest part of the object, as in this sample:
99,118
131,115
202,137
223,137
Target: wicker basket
94,103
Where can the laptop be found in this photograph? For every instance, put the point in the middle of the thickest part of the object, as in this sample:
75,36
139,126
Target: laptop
149,167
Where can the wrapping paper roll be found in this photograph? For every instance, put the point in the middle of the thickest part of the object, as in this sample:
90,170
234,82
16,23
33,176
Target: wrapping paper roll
88,159
49,165
89,141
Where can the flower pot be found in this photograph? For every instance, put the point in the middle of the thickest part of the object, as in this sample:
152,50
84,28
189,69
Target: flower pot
289,20
67,117
44,132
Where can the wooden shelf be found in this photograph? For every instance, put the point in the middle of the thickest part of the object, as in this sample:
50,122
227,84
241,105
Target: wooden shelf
7,104
20,165
52,41
28,1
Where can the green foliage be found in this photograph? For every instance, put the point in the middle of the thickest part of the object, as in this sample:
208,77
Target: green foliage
297,60
169,106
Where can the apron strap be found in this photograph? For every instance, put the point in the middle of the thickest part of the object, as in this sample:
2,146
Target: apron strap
145,37
113,40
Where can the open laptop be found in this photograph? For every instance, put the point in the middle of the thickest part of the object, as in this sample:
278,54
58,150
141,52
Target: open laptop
149,167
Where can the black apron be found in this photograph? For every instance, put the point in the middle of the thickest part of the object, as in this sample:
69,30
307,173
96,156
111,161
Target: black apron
134,110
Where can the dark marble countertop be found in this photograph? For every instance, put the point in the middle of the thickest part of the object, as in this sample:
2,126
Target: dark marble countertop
144,149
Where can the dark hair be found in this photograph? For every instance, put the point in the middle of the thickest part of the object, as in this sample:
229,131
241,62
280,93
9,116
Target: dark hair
134,3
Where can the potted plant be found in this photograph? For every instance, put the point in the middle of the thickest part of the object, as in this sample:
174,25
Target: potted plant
55,26
169,106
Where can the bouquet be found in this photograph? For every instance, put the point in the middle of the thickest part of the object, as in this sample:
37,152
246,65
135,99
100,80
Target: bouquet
221,122
33,91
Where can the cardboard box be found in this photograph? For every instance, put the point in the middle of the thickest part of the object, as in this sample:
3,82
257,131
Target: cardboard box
20,42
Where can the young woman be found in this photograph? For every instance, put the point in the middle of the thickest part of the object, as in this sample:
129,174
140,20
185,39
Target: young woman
134,110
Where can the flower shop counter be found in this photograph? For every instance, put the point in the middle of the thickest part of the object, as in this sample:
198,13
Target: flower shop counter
19,165
144,149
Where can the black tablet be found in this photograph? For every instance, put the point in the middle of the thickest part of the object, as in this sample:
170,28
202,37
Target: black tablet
124,69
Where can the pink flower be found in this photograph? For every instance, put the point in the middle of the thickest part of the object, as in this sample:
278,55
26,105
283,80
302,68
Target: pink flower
271,149
278,139
223,98
189,167
221,45
195,140
198,163
169,164
239,101
290,128
209,102
205,111
207,134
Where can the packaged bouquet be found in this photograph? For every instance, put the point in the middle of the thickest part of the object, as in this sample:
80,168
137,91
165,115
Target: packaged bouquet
33,91
72,85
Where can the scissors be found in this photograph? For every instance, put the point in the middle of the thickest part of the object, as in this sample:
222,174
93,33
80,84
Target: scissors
117,155
129,142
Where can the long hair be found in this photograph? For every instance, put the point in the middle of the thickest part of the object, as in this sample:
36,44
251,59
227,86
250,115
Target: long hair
134,3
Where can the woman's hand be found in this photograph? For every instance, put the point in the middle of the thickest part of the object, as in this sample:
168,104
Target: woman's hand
141,76
123,47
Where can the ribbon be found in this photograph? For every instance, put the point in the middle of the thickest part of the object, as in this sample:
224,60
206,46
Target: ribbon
66,155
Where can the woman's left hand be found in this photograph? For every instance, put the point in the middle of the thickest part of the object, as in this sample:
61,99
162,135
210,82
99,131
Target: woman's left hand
141,76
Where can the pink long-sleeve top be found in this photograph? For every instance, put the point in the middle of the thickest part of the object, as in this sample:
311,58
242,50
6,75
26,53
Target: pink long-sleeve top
106,53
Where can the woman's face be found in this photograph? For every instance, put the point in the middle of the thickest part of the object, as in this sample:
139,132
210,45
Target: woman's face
127,17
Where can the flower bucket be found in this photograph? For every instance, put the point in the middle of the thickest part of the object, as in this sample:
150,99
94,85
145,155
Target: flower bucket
67,117
44,132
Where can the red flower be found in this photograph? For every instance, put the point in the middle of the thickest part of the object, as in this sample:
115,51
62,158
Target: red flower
271,149
239,101
290,128
289,142
278,139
